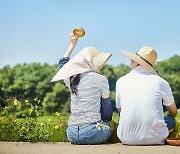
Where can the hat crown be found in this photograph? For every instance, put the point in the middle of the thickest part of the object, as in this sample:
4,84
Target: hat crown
99,58
94,52
148,54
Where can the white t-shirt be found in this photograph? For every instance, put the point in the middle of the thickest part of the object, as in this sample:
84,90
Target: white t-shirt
139,94
85,106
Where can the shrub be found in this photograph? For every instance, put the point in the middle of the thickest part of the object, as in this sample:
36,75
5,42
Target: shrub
22,125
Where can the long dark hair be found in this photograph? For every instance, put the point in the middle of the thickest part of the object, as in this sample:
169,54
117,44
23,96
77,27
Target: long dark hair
74,81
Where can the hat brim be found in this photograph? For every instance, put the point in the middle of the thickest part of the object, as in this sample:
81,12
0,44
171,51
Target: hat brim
140,61
79,64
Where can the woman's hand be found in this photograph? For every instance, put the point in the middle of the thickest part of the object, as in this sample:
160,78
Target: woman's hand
73,41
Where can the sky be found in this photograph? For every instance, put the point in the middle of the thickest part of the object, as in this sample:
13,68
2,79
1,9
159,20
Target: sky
38,30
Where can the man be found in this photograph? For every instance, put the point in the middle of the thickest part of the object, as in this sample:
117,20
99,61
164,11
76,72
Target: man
140,96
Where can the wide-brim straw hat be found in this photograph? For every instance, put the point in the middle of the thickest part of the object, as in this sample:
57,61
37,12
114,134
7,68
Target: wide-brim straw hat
146,57
88,59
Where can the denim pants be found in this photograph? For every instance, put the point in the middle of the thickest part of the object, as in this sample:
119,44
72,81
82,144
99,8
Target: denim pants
93,133
170,121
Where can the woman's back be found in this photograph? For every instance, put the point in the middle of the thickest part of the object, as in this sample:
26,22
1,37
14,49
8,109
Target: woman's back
85,106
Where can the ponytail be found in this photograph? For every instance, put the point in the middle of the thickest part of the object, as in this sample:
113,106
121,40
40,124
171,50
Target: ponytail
74,81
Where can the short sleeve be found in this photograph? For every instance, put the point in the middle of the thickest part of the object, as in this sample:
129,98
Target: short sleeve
104,86
118,104
167,95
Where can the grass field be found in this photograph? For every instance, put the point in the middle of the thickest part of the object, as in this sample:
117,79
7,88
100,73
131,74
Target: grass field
66,117
58,135
115,117
55,125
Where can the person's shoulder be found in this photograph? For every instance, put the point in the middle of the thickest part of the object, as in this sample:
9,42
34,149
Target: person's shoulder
94,74
163,81
97,77
160,79
123,78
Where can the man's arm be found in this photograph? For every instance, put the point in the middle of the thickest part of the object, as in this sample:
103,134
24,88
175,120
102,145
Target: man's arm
172,110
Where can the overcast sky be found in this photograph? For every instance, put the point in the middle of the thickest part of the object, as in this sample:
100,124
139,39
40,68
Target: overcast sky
38,30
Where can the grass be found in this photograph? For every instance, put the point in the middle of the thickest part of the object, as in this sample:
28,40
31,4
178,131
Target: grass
55,120
178,117
115,117
66,117
48,128
59,134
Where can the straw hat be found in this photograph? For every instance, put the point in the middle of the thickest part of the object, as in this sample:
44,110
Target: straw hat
146,57
88,59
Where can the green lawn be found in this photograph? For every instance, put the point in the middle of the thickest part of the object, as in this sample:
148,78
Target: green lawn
53,124
55,120
66,117
116,116
59,133
59,136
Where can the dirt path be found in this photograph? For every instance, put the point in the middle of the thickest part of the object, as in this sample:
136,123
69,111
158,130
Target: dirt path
67,148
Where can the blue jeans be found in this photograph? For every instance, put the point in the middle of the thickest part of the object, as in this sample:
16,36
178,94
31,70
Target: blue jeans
170,122
89,133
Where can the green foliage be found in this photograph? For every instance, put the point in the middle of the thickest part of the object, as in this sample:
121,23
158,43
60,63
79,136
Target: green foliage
170,71
28,81
169,66
55,100
114,73
20,115
27,129
25,81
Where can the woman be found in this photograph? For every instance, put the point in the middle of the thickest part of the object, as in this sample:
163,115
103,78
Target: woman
91,107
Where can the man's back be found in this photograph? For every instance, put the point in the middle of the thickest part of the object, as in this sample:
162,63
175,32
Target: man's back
140,95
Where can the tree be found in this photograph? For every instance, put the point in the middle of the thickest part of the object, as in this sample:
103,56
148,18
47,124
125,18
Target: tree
28,81
56,99
170,70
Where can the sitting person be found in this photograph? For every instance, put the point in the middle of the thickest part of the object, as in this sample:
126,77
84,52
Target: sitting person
91,107
140,96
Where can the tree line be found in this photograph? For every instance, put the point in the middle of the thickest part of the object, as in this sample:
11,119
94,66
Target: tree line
30,81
